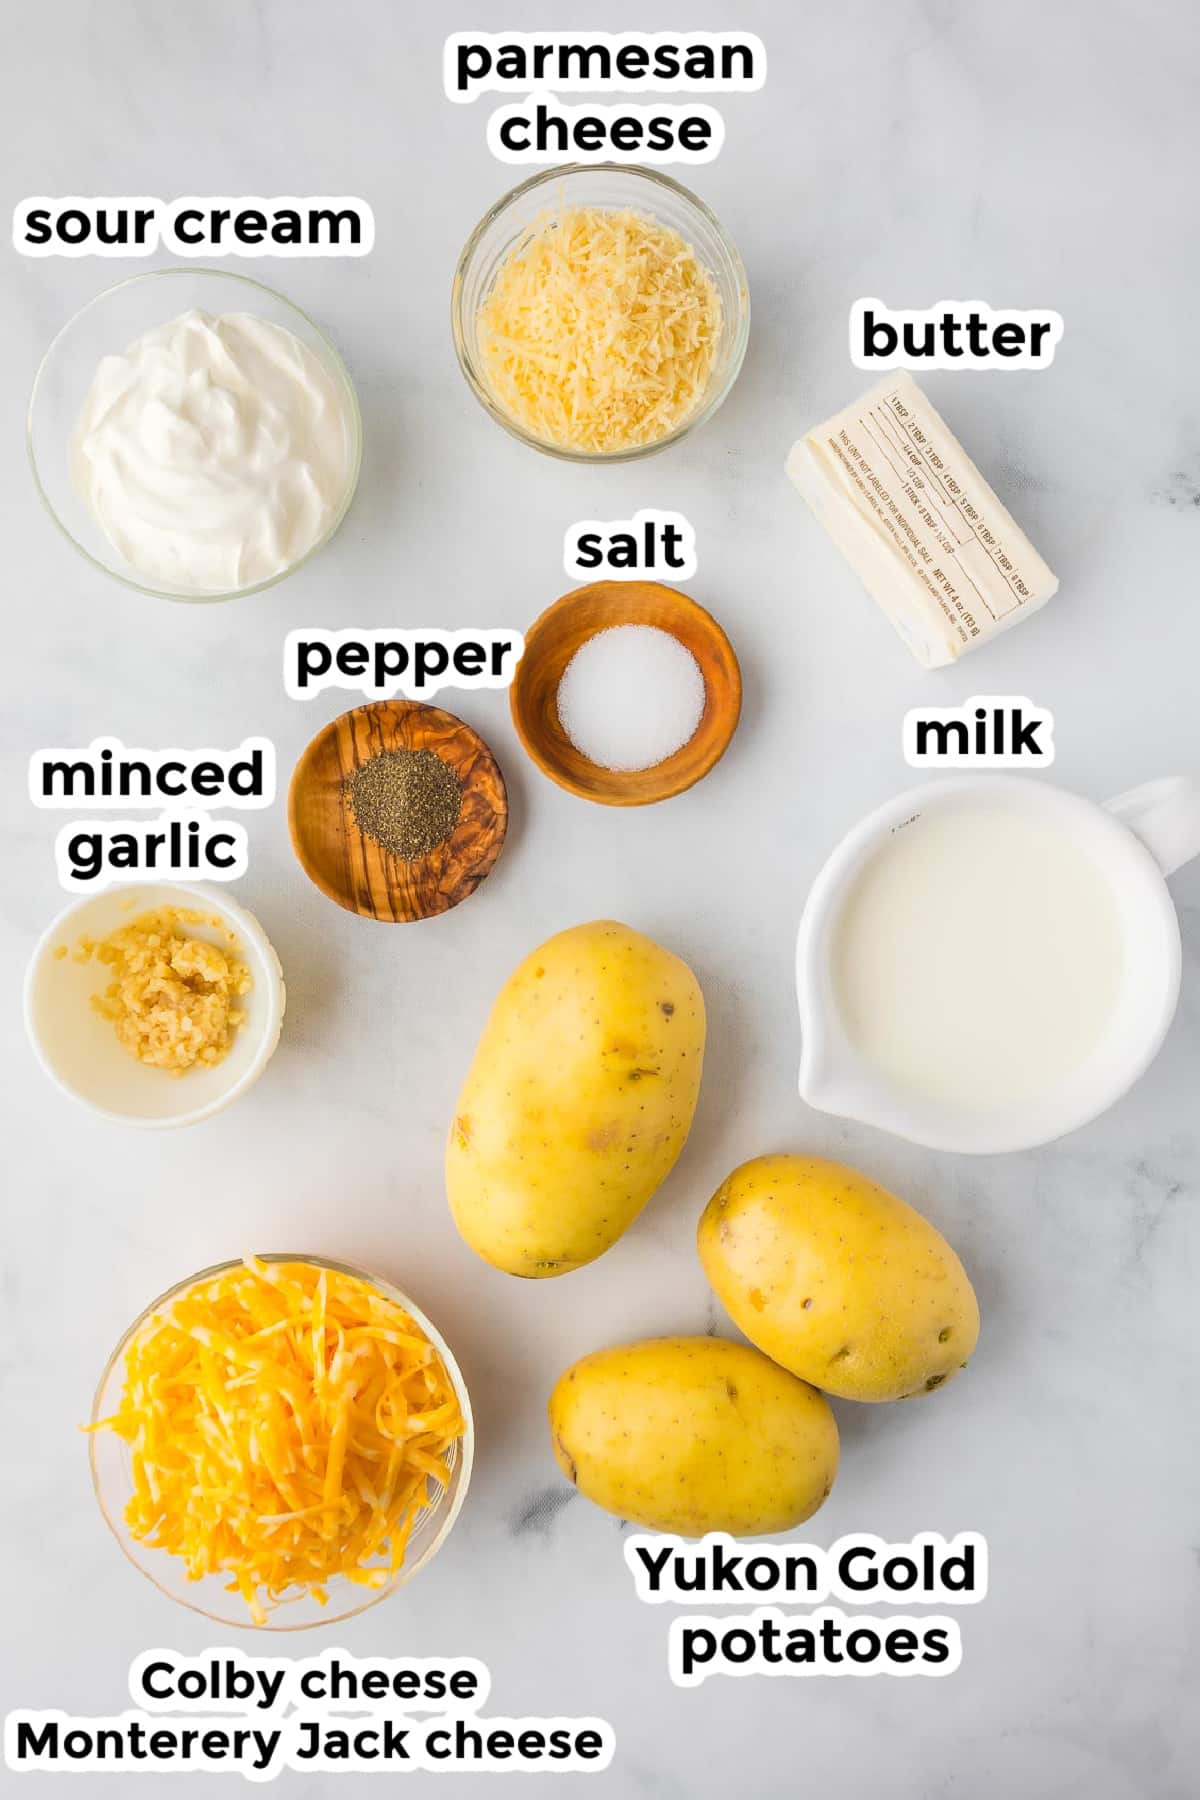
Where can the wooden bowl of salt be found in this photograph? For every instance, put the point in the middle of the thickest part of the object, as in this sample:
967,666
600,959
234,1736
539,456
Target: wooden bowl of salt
397,810
629,695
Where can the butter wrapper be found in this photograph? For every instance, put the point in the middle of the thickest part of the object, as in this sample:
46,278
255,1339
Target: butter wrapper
929,539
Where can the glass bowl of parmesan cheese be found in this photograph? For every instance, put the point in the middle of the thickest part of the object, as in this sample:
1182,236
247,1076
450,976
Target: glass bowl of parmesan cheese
600,312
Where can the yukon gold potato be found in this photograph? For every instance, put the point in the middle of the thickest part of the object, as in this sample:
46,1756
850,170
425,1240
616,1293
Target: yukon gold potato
693,1435
838,1280
578,1101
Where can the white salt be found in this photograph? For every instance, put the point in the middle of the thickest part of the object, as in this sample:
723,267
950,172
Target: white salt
630,697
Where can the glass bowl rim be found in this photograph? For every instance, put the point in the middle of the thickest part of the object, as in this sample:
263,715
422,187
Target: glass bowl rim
741,335
337,366
404,1573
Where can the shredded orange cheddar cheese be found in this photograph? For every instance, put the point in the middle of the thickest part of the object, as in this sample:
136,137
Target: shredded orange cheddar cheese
284,1422
601,330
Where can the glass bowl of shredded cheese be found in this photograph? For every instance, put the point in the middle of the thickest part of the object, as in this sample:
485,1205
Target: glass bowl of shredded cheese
281,1442
600,312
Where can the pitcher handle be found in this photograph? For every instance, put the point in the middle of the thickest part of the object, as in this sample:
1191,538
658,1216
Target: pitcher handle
1165,815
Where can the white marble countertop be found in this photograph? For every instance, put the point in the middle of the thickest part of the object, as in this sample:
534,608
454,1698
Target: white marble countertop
1028,155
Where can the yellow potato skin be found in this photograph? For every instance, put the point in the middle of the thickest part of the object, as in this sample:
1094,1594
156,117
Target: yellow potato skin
579,1099
838,1280
691,1435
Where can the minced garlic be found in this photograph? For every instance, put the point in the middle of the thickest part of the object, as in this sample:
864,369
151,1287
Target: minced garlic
174,998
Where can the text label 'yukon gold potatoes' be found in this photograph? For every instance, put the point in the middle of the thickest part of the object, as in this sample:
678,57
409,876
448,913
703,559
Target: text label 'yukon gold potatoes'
579,1099
838,1280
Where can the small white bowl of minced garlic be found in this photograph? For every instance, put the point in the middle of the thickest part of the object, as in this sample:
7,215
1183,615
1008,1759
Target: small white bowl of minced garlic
155,1004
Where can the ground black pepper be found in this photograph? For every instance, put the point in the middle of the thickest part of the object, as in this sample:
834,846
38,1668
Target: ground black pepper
407,800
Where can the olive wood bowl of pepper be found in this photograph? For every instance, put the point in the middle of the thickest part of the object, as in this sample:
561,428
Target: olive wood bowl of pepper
397,811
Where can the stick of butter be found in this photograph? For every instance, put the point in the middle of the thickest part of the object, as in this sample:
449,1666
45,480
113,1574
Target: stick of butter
917,522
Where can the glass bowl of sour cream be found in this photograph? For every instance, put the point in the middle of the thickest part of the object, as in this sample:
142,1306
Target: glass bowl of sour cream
194,434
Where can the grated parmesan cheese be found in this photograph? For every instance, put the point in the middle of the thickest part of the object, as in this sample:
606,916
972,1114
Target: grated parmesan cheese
284,1424
601,330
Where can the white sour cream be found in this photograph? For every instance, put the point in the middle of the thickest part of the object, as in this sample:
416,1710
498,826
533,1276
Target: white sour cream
214,452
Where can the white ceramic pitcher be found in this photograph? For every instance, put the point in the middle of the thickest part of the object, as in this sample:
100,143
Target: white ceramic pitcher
1136,840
